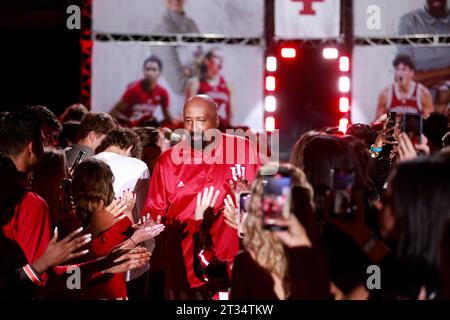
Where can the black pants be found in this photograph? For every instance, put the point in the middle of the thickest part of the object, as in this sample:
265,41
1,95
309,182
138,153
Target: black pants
149,286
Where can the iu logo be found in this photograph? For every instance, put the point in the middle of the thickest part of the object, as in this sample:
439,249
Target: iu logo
238,171
307,6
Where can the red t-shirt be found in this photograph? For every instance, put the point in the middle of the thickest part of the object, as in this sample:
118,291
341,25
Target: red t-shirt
30,226
220,94
142,103
173,192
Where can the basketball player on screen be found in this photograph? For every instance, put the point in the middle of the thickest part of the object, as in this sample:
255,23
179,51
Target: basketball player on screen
142,97
404,95
211,83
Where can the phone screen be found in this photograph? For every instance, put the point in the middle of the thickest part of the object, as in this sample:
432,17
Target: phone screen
343,182
391,119
412,126
243,202
390,123
276,200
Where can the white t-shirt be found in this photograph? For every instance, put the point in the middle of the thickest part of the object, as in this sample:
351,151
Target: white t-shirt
130,173
126,170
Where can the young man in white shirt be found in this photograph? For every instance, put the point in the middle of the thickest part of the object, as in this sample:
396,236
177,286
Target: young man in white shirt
120,149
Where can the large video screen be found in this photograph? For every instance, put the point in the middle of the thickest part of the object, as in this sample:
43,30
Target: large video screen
118,70
405,79
233,18
387,18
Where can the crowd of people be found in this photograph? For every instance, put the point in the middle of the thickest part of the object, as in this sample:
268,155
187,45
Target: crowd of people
91,209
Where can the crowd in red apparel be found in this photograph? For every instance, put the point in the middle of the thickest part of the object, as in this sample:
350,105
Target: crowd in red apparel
82,194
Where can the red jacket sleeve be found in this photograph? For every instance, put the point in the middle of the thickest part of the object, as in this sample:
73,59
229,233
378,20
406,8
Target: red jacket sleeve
157,198
34,230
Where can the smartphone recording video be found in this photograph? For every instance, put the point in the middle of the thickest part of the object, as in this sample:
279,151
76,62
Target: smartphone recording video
342,187
391,119
276,200
243,202
244,199
390,123
412,126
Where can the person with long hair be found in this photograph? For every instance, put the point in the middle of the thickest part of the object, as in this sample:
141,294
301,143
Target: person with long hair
299,148
211,82
416,208
93,194
47,180
281,264
348,260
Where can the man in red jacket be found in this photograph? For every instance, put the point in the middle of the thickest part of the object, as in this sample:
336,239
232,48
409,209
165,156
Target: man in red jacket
179,175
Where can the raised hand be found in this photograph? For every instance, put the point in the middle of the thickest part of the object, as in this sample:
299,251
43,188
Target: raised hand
58,252
205,200
123,260
407,150
146,221
130,201
240,185
295,235
230,212
117,209
385,137
146,229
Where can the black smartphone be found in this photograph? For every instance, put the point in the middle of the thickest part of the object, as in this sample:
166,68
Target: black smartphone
81,154
412,125
244,199
343,182
391,122
276,199
243,202
391,119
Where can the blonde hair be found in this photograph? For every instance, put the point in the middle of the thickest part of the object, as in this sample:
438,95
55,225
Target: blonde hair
268,250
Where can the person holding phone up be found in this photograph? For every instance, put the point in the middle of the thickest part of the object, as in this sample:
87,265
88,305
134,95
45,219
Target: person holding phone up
284,262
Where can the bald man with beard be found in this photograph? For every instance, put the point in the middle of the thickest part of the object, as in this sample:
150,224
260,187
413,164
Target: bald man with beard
205,158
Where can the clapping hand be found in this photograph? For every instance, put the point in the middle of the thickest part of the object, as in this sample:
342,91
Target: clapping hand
206,200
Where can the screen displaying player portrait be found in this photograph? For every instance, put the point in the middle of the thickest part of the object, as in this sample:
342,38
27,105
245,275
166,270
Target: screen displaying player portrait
404,79
387,18
232,75
232,18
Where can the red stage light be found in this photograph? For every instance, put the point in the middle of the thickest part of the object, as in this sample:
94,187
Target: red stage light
343,124
270,83
270,104
344,104
344,84
271,64
344,64
288,52
330,53
270,124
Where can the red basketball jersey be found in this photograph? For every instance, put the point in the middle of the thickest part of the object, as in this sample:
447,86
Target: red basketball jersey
219,93
142,103
411,103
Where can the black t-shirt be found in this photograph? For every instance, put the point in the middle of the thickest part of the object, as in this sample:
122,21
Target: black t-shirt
307,277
